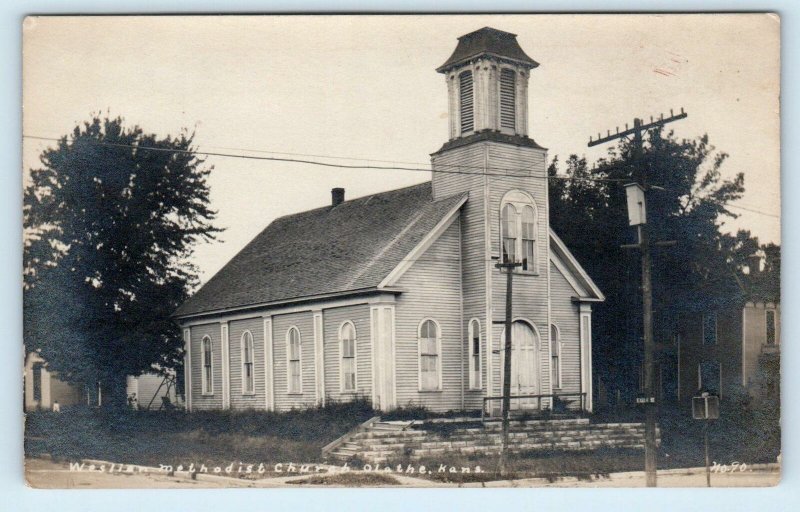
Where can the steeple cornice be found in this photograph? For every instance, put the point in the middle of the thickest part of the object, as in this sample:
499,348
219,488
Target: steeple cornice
491,43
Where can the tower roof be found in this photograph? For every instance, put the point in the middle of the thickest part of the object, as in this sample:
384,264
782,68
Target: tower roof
488,41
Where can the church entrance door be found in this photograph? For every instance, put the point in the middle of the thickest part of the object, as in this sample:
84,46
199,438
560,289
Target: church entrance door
524,365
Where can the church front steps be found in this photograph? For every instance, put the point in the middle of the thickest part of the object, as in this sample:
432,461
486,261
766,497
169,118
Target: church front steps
390,441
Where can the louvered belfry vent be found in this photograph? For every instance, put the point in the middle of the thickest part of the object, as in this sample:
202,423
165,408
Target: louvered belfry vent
487,87
466,99
508,99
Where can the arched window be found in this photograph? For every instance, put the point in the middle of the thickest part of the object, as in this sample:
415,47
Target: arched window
347,339
475,354
207,376
466,101
429,361
293,354
528,237
555,351
509,233
508,98
519,226
248,376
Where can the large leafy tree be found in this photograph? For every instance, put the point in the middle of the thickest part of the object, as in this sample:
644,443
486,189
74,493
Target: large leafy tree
688,203
110,217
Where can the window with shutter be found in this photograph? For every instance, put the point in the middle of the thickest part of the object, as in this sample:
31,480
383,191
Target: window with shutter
466,100
429,356
248,376
508,99
294,370
208,370
555,350
348,362
528,238
509,233
475,354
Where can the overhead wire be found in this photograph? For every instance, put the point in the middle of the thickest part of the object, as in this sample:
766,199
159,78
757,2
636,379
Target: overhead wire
335,165
455,168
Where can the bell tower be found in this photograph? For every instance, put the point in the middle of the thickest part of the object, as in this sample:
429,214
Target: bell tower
487,84
490,156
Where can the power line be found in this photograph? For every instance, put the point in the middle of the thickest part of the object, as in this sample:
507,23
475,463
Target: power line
329,164
777,216
456,170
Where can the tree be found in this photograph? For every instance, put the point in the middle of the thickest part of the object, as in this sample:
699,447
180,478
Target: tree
688,203
110,219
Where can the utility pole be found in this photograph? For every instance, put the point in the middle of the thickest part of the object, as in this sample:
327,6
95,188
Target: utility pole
639,219
509,268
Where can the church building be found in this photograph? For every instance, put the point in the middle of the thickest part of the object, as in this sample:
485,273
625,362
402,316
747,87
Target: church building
396,297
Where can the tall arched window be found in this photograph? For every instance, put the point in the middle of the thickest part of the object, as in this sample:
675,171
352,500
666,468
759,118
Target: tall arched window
508,98
509,233
466,102
347,338
475,354
248,376
519,226
207,375
528,237
293,355
555,351
429,361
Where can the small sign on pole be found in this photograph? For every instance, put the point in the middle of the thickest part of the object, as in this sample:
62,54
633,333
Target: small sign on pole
643,399
706,407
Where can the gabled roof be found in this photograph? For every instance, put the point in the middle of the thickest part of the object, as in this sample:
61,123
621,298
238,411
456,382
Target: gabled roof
586,289
349,247
488,41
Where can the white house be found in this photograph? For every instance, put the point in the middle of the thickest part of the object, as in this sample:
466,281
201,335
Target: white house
44,390
395,296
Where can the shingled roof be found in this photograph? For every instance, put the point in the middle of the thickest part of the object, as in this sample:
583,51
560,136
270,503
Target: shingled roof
488,41
349,247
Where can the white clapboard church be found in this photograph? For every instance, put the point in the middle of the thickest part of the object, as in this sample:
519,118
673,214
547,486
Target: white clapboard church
395,297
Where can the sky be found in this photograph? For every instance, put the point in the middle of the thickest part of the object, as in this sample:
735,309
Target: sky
356,89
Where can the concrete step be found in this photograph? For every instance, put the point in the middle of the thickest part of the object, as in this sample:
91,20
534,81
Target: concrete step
390,437
389,441
390,425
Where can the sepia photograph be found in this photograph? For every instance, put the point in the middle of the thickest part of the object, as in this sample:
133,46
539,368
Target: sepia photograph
407,251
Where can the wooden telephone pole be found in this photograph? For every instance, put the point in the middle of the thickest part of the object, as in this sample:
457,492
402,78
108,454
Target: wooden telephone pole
644,246
509,267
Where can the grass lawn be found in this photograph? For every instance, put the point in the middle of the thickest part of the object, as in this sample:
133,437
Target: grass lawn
175,437
232,438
